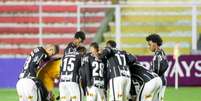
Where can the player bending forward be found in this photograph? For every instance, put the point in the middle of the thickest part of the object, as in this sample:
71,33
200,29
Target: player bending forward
29,87
119,74
145,84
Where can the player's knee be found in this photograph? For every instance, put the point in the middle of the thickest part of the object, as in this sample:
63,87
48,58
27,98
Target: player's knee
30,98
73,97
148,97
63,97
162,98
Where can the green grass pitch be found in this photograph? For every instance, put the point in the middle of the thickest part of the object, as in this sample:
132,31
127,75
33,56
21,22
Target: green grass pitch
182,94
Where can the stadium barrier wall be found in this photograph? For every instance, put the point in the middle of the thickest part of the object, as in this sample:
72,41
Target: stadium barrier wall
189,70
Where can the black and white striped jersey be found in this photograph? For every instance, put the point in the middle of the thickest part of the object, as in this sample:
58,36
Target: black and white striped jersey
159,64
71,47
117,62
95,69
140,74
33,61
71,63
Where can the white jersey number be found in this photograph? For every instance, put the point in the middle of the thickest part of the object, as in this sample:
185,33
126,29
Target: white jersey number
26,65
122,62
121,59
68,64
98,69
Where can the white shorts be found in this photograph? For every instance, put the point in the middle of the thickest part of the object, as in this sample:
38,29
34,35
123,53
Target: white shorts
70,91
27,90
162,93
150,90
95,94
119,88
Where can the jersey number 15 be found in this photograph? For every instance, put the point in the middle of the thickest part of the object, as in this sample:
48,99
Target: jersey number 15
68,64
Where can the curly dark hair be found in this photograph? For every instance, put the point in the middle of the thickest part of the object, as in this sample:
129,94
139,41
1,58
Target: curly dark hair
155,38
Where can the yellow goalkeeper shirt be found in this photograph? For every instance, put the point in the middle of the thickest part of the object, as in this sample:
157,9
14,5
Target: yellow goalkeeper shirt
49,73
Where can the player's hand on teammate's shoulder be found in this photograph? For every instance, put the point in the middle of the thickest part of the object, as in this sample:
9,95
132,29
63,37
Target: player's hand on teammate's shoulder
55,57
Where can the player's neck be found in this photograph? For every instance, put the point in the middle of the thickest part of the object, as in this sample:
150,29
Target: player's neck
96,54
157,49
75,43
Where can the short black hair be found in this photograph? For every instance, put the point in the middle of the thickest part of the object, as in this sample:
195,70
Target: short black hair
56,47
94,45
112,43
82,49
81,35
155,38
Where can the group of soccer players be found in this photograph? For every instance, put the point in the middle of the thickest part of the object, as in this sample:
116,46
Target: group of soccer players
100,74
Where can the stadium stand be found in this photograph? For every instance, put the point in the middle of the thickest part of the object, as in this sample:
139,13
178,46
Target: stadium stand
19,23
174,24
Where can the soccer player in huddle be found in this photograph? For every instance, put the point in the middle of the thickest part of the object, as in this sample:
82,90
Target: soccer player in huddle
96,74
118,72
37,56
79,38
145,83
28,76
69,86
